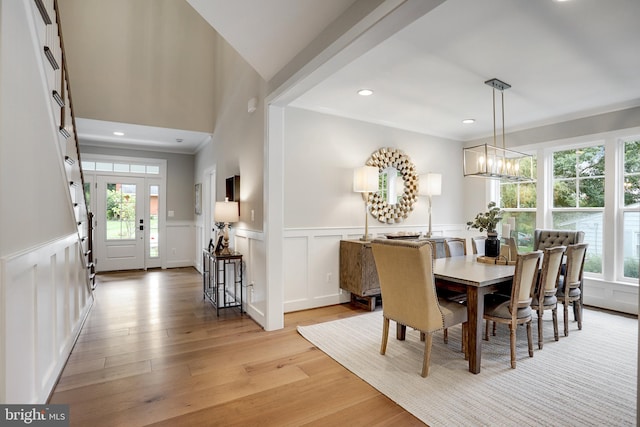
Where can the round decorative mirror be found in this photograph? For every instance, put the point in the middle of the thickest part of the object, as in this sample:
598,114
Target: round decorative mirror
398,185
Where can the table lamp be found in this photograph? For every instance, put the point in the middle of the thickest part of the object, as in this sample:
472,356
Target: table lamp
430,185
365,181
226,212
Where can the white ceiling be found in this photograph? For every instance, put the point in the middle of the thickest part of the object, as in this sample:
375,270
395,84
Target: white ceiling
564,60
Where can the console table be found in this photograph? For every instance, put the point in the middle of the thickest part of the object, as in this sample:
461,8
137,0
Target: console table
222,280
358,273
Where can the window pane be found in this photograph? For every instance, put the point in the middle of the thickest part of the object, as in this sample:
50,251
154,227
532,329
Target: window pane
153,170
120,167
591,193
138,168
591,161
525,224
88,166
564,164
591,224
121,211
632,157
632,173
632,190
104,166
528,195
153,221
564,194
509,196
631,242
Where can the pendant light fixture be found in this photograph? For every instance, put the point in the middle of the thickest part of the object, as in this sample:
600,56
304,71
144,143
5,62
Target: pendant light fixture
492,161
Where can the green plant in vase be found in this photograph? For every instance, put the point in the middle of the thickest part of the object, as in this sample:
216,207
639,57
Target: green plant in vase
489,221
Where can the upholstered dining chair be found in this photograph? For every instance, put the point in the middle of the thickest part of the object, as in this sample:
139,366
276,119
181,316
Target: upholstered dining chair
455,246
405,272
515,309
544,297
477,245
569,284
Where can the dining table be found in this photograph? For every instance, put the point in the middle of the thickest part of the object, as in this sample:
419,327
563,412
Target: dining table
465,274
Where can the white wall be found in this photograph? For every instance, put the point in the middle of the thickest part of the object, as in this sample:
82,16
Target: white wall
44,295
320,207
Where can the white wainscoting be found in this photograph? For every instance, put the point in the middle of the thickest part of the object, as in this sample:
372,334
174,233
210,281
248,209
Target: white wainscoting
44,299
181,247
312,256
621,297
252,246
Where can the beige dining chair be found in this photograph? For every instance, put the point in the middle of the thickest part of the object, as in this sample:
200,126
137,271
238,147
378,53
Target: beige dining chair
544,297
455,246
477,245
405,272
569,292
515,309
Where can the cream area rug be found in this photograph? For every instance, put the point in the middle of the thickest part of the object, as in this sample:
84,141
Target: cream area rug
585,379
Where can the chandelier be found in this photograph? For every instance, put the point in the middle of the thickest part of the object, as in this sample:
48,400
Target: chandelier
492,161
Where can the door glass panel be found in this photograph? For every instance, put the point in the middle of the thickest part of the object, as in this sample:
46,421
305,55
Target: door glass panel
87,195
121,211
153,221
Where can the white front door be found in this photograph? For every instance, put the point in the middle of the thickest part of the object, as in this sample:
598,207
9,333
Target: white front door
120,215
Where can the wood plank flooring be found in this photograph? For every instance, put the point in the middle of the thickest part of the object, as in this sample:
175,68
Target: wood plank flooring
153,352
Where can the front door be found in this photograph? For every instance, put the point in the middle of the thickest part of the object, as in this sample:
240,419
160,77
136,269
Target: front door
120,217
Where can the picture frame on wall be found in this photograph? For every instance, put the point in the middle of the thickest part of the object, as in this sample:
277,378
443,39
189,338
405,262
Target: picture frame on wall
198,197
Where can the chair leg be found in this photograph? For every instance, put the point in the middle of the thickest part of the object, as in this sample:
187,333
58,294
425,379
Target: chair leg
385,335
566,320
486,331
540,339
554,314
422,336
578,313
530,338
446,336
512,333
427,355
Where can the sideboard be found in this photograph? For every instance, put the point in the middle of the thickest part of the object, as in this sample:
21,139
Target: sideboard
358,274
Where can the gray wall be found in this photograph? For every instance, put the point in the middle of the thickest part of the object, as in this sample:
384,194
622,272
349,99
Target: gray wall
321,152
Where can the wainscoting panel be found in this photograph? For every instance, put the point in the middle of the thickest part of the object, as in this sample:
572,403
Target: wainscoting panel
44,299
311,261
251,244
613,296
181,247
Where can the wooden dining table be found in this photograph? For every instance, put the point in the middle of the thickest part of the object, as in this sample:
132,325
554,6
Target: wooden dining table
466,274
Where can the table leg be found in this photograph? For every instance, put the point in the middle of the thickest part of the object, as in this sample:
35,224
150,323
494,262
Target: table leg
475,310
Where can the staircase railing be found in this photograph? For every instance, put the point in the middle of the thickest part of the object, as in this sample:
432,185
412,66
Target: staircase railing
58,81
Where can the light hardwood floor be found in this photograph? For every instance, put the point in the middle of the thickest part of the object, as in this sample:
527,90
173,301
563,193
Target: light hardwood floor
153,352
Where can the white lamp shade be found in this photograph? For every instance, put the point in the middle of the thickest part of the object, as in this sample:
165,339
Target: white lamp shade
365,179
226,212
430,184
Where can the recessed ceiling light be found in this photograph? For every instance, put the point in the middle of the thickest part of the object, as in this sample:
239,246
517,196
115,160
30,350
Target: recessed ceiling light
468,121
365,92
118,133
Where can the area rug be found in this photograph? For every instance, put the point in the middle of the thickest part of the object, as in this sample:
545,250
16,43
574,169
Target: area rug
585,379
